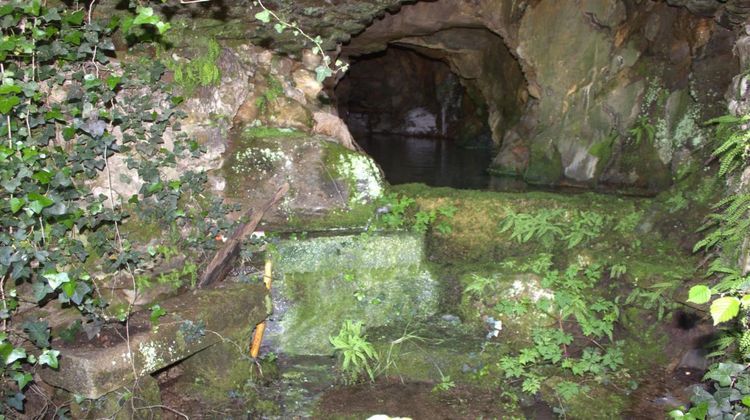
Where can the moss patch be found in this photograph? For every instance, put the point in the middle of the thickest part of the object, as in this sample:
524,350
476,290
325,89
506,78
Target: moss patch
325,281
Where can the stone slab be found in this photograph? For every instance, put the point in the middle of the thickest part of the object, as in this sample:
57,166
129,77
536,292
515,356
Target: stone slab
194,321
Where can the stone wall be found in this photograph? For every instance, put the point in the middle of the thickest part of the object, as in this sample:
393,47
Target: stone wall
571,84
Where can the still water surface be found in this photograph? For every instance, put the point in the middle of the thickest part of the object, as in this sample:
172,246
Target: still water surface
435,162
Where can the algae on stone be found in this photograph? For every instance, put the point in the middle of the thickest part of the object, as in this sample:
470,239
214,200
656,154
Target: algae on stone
324,281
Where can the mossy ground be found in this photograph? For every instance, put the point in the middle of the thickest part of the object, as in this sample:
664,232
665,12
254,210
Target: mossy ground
633,235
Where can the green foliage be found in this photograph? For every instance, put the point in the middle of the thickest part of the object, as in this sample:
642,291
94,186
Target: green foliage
199,71
545,225
729,226
571,305
445,384
642,130
657,297
355,352
66,111
733,141
399,212
730,397
549,225
280,25
273,91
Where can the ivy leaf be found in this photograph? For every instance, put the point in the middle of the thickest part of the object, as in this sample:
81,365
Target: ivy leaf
15,354
69,288
7,103
56,279
699,294
40,290
49,358
724,309
162,27
264,16
33,8
322,73
724,372
16,204
8,89
74,19
15,401
22,379
113,82
38,202
38,332
279,27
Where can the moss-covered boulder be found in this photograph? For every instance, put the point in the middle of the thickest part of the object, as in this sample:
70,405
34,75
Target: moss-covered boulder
324,175
321,282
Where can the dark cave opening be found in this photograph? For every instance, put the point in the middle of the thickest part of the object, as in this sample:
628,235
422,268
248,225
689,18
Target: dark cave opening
417,119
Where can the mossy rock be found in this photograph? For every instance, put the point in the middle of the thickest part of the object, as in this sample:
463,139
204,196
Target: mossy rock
325,177
322,282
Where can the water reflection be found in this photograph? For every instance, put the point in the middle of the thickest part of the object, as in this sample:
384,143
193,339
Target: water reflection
435,162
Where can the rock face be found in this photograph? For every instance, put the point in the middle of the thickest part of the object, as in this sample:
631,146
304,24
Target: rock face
189,326
324,175
592,93
324,281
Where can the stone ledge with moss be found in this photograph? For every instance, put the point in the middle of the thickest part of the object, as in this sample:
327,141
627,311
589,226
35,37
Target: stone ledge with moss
324,281
189,326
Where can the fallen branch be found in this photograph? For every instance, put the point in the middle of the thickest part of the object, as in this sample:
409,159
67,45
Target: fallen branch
220,265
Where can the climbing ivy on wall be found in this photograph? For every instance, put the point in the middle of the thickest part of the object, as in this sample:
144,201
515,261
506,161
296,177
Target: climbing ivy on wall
66,111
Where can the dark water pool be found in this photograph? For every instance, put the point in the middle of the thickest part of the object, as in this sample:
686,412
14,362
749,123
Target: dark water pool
435,162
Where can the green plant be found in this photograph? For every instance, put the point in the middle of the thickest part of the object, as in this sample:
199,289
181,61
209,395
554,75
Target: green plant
355,352
544,225
65,111
322,71
273,91
549,225
642,130
585,226
657,296
733,141
199,71
445,384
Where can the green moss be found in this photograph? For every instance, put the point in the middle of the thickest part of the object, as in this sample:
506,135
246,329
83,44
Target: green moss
475,235
200,70
262,132
545,165
603,151
327,280
274,90
358,171
357,217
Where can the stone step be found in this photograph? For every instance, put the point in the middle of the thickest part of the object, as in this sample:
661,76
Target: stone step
194,321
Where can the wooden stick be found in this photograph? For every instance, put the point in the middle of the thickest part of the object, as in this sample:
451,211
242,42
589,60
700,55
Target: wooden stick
221,264
260,329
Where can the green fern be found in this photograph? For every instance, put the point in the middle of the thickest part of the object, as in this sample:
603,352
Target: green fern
730,225
643,129
734,141
544,225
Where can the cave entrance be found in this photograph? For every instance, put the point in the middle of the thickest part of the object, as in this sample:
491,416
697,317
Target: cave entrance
433,107
413,115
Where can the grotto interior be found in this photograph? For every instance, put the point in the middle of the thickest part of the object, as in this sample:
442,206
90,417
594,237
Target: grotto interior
419,209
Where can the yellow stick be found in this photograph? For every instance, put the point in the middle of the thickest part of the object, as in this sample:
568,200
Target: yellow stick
261,328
